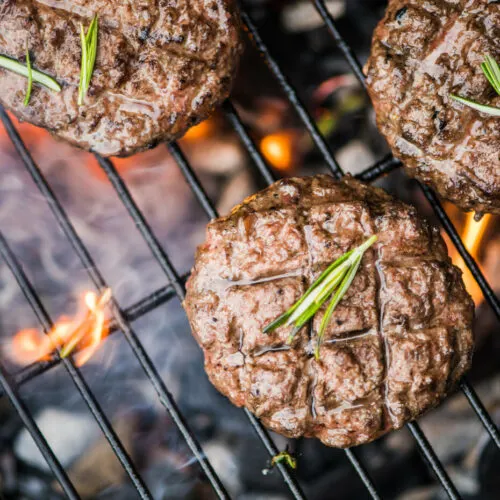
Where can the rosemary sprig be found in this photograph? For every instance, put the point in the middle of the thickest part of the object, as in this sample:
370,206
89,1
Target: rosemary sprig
491,70
490,110
336,279
37,76
30,77
89,53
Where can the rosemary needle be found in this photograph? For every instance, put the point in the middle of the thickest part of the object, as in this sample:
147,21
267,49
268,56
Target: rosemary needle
89,53
37,76
491,110
491,70
30,77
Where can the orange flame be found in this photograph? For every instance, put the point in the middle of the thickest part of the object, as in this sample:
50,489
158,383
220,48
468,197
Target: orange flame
472,236
31,134
31,345
278,149
204,129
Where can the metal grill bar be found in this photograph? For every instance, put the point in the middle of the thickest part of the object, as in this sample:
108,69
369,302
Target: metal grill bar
433,461
360,469
199,192
385,166
481,411
290,480
346,50
91,402
242,132
448,226
57,469
145,361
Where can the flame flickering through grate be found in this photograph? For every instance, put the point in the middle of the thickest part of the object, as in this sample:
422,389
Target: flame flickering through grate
86,331
473,235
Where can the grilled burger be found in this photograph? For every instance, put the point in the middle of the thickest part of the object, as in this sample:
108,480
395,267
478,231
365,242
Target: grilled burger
397,343
161,67
423,52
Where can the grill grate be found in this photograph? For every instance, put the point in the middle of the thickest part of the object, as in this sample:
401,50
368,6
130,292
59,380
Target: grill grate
122,319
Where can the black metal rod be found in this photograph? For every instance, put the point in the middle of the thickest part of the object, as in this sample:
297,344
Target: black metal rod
90,400
137,310
291,481
383,167
248,142
433,461
346,50
189,175
145,361
57,469
141,223
481,411
293,97
362,474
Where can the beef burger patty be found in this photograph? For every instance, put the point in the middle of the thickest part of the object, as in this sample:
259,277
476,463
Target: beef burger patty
421,53
396,345
161,67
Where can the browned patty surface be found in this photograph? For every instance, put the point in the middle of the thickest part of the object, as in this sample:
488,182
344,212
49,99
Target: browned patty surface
161,67
395,346
421,53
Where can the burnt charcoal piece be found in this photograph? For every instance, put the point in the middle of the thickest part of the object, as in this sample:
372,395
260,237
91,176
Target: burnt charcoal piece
161,68
396,345
421,53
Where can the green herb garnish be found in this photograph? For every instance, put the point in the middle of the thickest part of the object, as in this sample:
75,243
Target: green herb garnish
336,280
89,53
30,77
36,76
284,456
491,70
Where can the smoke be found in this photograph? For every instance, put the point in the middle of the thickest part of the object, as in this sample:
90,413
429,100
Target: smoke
102,223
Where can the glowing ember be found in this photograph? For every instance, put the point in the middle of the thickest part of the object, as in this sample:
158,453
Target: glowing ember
472,236
200,131
87,331
278,148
